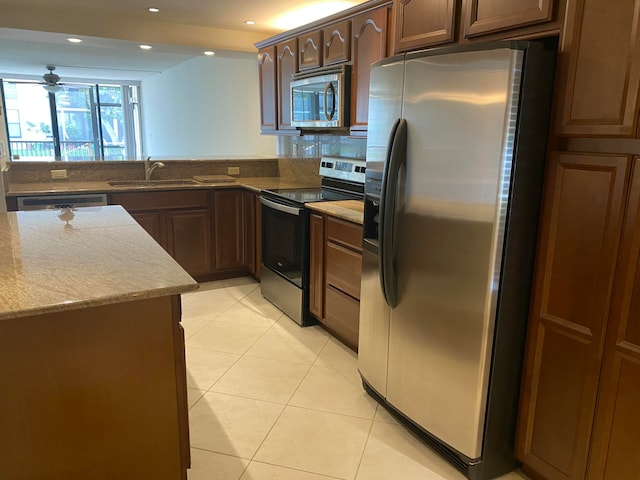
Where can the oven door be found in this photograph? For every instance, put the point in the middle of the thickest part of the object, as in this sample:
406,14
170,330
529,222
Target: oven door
283,240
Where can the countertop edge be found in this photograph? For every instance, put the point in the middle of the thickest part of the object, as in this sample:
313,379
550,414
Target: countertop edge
98,302
51,188
342,209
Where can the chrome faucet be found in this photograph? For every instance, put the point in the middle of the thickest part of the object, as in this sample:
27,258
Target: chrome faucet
150,167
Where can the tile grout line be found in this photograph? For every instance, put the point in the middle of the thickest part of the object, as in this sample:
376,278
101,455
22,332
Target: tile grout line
364,449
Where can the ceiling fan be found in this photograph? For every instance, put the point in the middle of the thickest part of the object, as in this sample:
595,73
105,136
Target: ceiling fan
51,80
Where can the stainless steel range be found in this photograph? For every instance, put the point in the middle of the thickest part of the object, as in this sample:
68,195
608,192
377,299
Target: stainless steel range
284,278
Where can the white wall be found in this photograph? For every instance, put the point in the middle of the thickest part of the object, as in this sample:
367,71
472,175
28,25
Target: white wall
204,107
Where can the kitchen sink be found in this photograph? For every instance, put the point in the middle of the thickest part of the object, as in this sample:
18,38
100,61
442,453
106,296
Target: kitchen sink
152,183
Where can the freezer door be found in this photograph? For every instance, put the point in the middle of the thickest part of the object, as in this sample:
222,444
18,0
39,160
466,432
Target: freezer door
461,112
385,107
373,341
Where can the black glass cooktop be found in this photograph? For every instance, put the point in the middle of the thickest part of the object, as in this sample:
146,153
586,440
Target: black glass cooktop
299,195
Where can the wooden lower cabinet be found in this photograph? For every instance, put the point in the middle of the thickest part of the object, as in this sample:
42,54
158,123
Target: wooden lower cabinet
189,239
98,392
179,220
210,233
341,316
615,448
335,270
153,223
570,318
228,229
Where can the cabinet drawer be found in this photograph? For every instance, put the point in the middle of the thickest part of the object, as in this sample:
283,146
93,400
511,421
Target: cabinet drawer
344,233
344,268
342,316
159,200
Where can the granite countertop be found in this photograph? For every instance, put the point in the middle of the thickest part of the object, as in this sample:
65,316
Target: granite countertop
350,210
99,257
253,183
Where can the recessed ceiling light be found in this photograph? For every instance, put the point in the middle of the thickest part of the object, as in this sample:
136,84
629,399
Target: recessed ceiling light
154,10
146,47
74,40
249,22
209,53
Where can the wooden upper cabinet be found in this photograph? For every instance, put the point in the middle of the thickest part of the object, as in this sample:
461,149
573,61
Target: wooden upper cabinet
488,16
614,453
576,262
310,50
267,78
599,69
423,23
287,58
336,43
368,45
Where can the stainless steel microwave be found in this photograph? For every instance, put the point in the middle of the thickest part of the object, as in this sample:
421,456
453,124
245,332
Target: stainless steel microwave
320,99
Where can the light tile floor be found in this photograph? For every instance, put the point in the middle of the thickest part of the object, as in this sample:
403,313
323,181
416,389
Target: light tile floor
270,400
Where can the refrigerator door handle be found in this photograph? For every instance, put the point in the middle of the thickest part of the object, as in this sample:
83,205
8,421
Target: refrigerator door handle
396,156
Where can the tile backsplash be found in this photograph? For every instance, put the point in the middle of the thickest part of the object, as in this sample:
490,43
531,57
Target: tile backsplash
316,146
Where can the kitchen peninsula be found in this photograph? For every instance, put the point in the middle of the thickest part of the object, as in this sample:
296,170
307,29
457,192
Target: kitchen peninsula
91,349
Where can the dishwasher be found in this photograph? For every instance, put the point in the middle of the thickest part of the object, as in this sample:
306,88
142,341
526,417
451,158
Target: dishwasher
44,202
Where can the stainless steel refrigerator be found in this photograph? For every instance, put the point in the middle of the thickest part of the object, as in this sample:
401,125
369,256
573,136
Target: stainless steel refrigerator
455,158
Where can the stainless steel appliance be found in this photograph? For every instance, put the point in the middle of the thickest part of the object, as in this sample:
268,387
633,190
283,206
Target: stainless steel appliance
319,99
62,201
284,277
455,153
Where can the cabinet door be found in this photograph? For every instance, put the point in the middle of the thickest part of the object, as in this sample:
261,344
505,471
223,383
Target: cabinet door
287,66
343,269
342,316
369,44
153,224
614,453
189,239
310,51
228,226
316,266
181,382
570,307
599,69
268,99
336,43
486,16
249,219
422,23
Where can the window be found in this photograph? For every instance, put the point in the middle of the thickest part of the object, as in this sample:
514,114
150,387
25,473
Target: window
78,123
13,123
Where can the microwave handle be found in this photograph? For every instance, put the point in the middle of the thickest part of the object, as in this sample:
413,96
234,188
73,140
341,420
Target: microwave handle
329,86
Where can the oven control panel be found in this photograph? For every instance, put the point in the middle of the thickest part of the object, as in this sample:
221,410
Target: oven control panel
350,169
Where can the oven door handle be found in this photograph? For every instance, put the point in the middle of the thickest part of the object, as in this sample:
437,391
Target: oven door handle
280,207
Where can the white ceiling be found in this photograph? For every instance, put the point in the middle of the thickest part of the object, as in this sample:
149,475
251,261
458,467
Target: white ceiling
33,33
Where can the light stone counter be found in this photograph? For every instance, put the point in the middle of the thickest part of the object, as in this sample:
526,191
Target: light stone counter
101,256
350,210
252,183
